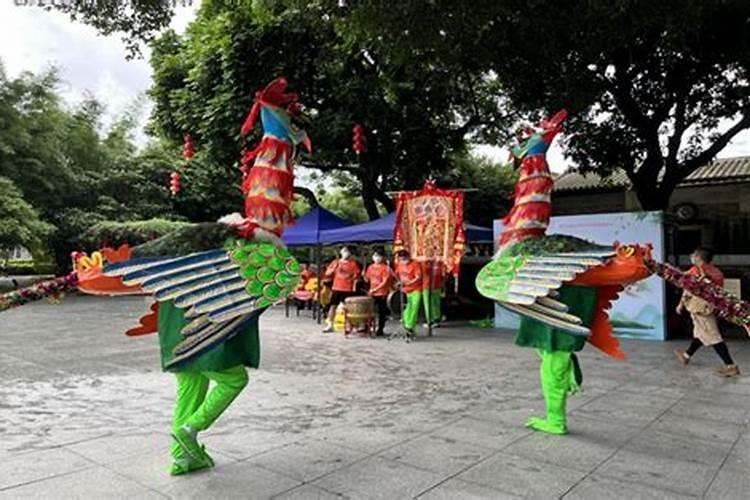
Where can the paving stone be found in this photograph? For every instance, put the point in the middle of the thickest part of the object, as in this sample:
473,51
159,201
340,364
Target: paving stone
596,487
244,442
307,460
629,408
309,492
363,437
27,467
521,476
118,446
438,454
99,483
378,478
589,442
694,427
657,444
485,433
151,468
236,480
658,472
455,488
729,483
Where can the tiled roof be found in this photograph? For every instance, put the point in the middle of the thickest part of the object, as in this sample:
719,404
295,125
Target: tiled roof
717,172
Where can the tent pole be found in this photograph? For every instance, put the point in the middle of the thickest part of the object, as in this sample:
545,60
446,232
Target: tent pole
428,301
320,282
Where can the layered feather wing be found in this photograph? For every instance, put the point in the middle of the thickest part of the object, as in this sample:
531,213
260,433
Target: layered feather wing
220,290
525,278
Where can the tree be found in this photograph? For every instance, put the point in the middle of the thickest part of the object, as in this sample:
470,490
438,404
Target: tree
71,173
415,115
491,185
655,88
20,225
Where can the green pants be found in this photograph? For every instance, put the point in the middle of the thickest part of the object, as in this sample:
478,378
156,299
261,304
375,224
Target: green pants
199,408
558,378
411,311
432,302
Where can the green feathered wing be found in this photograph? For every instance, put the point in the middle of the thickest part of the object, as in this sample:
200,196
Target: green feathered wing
526,276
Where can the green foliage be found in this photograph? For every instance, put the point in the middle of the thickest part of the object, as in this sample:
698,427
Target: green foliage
70,171
115,233
20,225
647,82
494,184
27,267
344,204
415,115
183,239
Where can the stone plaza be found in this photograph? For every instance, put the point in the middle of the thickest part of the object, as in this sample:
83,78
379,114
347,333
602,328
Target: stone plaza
85,413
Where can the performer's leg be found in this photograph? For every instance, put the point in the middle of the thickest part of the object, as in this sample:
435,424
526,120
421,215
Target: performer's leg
382,304
229,383
557,379
191,391
411,313
427,301
437,309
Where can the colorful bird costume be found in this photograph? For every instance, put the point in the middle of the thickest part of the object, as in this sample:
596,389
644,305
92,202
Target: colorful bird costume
211,282
560,285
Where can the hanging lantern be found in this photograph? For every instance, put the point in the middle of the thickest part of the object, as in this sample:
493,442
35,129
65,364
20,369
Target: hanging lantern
175,183
358,139
188,148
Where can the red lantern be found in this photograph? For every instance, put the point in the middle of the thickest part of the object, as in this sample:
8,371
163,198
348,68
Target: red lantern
174,183
188,148
358,140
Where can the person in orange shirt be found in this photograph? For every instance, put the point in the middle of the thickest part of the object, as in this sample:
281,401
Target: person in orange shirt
303,297
380,277
705,327
409,273
344,271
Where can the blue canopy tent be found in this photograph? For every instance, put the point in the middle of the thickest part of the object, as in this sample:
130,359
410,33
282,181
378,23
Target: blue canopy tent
308,228
307,231
382,230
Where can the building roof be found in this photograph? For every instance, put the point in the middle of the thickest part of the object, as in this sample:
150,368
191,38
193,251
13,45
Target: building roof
720,171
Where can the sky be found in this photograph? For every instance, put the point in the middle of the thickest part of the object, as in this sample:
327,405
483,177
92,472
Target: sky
32,39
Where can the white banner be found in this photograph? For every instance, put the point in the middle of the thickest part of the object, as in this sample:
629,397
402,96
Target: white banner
639,313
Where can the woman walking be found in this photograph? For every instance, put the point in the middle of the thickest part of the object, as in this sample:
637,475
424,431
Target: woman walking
705,325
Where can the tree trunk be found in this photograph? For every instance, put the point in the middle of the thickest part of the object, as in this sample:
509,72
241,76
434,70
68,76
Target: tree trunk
307,194
653,197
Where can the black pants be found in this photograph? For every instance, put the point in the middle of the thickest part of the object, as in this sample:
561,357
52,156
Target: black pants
721,349
381,303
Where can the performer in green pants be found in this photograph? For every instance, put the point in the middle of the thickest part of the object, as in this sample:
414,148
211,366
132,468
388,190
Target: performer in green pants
559,371
409,273
197,407
432,292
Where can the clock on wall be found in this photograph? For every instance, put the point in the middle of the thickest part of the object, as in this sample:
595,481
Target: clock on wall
685,212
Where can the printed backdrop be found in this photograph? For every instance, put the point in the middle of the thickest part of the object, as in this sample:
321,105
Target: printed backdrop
640,311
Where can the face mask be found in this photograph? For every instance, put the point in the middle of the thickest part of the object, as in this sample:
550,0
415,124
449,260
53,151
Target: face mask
345,254
377,259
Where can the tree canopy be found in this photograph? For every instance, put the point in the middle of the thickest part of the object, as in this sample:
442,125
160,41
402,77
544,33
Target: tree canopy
20,225
415,117
654,88
71,172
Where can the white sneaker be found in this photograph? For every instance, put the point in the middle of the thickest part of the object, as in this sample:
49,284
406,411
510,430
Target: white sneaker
328,329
